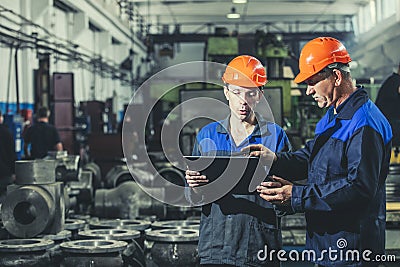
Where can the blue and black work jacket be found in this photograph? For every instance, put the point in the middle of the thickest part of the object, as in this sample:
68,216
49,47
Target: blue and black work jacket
346,165
235,228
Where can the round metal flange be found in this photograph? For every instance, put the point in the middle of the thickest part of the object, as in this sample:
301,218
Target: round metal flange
93,246
27,211
110,234
25,245
173,235
60,236
138,225
176,224
74,224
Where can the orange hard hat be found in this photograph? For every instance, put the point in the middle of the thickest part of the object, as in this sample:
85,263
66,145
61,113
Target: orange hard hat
319,53
246,71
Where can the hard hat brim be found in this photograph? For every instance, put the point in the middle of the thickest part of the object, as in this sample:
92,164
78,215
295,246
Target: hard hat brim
301,77
241,80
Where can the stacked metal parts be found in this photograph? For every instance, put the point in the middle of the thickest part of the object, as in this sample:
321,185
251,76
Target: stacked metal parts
173,243
393,212
33,206
155,239
393,234
60,214
393,184
294,231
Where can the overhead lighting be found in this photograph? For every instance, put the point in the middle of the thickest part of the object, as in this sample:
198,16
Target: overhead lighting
239,1
233,14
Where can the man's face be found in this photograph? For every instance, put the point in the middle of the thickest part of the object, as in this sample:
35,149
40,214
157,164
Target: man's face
242,100
321,88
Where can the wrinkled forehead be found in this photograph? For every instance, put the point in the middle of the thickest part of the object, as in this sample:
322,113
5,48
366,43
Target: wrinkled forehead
237,87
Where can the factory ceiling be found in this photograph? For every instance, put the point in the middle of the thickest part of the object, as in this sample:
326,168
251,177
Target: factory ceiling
202,16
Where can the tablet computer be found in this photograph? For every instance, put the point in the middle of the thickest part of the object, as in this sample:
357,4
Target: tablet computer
237,175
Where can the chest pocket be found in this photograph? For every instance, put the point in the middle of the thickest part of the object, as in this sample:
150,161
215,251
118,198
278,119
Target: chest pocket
337,161
330,163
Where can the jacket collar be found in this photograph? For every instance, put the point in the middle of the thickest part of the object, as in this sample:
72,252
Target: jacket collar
346,110
261,128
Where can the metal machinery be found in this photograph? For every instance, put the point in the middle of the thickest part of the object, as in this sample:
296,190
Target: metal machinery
67,166
167,243
78,183
35,204
393,212
55,252
40,227
125,201
222,48
132,255
271,48
127,224
122,198
294,235
174,247
27,252
89,252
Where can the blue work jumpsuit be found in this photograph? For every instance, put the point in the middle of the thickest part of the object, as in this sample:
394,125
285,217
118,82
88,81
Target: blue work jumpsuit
346,165
236,227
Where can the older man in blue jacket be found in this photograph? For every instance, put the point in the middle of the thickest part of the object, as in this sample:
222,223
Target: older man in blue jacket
346,164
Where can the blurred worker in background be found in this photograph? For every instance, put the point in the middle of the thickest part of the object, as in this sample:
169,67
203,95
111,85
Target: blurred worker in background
388,101
7,156
346,163
42,137
235,228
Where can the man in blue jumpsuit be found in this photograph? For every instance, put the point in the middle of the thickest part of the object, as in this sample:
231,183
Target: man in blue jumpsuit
235,227
346,164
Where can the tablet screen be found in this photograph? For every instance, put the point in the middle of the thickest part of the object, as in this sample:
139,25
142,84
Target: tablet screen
236,172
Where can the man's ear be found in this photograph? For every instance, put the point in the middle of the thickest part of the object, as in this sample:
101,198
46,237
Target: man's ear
338,77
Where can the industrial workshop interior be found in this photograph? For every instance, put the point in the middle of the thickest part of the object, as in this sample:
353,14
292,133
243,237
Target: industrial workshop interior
102,102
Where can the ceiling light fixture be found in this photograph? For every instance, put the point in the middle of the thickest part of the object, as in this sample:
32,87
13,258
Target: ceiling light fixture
233,14
239,1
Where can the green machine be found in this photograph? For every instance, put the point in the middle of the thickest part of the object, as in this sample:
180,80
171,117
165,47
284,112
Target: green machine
222,46
220,49
274,51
